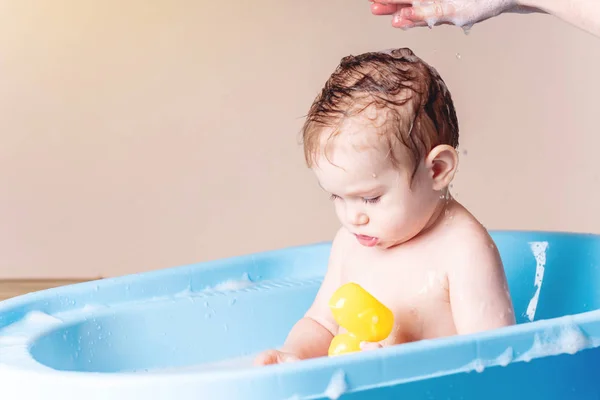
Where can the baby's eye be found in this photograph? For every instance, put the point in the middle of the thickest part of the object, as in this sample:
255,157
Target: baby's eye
372,200
334,197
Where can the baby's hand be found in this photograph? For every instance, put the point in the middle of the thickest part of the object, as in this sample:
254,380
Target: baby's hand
274,357
366,346
464,13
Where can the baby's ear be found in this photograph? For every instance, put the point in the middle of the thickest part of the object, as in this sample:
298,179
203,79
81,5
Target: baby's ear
442,162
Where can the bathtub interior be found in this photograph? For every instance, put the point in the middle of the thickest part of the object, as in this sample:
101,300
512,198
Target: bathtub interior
181,317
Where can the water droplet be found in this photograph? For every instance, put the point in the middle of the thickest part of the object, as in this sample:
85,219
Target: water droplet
232,302
458,56
206,304
226,328
207,315
99,327
72,302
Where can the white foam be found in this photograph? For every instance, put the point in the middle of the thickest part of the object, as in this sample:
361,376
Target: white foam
233,284
569,341
385,51
465,12
431,22
505,358
337,386
480,364
13,340
40,318
34,321
539,253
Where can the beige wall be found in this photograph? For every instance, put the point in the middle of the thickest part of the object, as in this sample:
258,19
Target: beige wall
140,135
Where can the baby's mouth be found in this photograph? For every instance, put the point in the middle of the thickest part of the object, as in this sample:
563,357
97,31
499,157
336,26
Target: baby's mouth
365,240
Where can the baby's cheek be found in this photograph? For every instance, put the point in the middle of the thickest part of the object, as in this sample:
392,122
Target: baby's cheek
339,212
394,222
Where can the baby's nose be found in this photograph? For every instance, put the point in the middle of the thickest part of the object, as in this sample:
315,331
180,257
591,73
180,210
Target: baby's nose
360,219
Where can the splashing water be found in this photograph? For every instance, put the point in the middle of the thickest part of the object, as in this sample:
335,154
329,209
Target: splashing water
539,253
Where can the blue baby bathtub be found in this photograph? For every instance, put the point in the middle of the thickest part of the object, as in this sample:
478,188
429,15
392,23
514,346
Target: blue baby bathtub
191,332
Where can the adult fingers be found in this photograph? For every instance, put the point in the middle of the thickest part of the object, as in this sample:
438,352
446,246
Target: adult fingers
433,11
383,9
398,21
405,2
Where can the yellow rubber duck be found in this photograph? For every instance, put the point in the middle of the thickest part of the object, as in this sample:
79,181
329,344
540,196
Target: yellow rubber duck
362,315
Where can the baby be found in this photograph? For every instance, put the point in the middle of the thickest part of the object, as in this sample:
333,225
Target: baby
381,139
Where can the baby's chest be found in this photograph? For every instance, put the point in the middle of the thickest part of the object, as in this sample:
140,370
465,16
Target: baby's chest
398,278
417,294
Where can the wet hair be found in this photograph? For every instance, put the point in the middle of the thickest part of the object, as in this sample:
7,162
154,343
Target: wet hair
419,112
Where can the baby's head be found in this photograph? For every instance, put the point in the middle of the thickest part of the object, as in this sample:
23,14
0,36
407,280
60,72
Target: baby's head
381,138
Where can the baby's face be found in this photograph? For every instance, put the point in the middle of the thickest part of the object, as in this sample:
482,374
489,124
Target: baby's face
374,199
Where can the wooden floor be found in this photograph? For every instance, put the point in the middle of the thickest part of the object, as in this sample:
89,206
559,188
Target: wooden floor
17,287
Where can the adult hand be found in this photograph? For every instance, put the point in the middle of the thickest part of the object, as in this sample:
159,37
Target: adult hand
465,13
584,14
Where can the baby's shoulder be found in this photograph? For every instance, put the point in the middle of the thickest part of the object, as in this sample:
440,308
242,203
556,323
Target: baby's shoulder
467,242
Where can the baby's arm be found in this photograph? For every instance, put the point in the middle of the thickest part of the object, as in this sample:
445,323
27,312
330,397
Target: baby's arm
311,335
479,294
